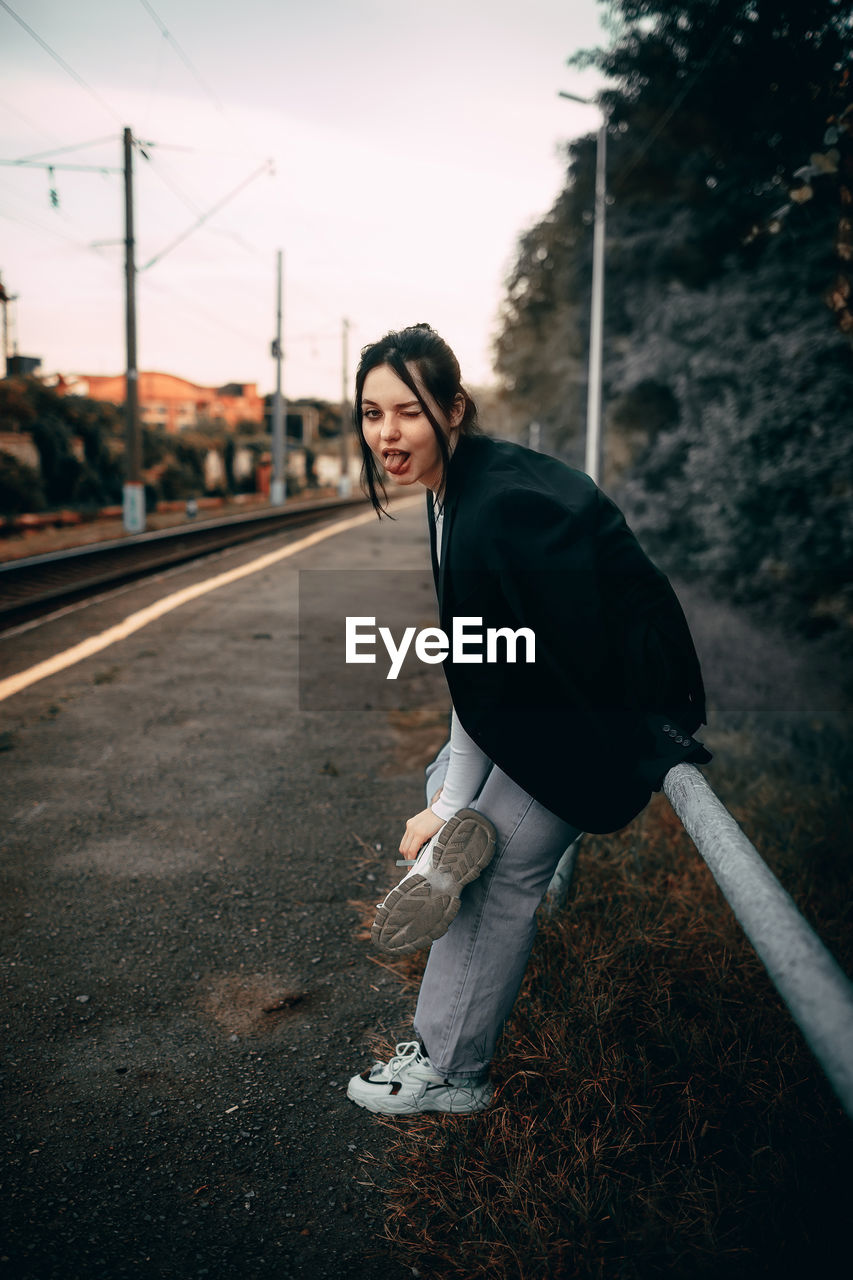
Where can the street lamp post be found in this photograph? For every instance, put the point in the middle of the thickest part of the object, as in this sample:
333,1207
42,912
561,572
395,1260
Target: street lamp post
593,453
345,483
278,483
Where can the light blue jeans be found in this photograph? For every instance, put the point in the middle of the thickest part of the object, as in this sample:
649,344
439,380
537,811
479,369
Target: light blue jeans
475,970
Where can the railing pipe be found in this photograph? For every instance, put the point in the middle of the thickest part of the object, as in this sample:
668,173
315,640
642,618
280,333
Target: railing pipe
813,986
561,880
818,993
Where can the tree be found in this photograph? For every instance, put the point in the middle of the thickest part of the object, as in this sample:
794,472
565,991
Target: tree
55,422
539,350
751,486
60,469
722,370
20,487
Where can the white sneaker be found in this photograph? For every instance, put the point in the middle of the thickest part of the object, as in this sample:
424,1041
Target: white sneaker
423,905
410,1084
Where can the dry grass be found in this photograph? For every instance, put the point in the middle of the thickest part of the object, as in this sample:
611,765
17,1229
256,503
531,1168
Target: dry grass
657,1113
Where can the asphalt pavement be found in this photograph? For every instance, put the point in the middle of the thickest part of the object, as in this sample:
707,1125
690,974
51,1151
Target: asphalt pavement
187,852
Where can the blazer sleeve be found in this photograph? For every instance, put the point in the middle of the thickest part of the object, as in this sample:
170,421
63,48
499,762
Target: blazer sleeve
610,632
661,675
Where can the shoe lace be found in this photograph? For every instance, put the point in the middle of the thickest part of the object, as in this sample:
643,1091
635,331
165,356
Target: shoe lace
407,1051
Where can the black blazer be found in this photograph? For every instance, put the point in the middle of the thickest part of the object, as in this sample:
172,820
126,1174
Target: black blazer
615,693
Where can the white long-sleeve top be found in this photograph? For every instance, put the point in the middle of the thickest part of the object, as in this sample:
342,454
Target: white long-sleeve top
468,765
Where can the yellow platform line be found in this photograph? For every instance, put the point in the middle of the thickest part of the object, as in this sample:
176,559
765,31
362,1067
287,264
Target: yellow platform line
135,621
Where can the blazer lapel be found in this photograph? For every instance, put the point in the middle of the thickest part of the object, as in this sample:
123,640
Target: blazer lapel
439,563
431,523
446,524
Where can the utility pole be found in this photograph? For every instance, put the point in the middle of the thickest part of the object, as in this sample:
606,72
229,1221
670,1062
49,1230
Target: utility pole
4,302
279,441
345,484
134,492
596,323
593,451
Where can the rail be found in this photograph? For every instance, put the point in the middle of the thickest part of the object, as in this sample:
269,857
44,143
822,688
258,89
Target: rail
33,583
817,992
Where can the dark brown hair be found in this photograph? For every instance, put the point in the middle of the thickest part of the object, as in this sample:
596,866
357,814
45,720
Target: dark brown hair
419,346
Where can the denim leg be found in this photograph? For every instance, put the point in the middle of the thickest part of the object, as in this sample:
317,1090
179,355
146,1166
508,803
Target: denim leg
475,970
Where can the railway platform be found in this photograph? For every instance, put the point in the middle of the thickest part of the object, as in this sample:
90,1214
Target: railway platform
187,851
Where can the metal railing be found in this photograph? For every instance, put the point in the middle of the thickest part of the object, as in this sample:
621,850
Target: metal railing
35,581
812,984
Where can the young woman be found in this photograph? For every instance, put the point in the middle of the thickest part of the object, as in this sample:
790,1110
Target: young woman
539,751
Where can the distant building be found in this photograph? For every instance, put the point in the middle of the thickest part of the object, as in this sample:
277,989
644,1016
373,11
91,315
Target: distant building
174,404
302,421
21,366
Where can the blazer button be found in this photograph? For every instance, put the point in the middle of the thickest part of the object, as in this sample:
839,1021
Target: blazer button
666,728
681,741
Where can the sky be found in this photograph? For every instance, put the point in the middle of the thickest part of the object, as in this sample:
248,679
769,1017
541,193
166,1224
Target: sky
393,150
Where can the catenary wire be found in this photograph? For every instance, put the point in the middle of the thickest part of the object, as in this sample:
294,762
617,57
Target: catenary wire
210,316
31,225
58,151
266,167
167,35
188,202
78,79
31,124
167,181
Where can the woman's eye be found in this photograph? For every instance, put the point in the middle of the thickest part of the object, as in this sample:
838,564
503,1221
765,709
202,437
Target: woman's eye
412,413
371,414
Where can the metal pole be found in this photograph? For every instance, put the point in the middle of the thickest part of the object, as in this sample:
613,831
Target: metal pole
813,986
345,484
596,324
561,880
4,300
134,493
279,444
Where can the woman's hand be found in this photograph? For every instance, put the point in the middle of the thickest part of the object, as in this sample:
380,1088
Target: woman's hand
419,829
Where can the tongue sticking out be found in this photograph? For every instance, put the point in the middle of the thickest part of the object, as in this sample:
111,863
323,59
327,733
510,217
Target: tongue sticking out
395,462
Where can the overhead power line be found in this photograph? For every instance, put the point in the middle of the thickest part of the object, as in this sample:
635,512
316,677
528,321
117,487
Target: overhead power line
190,204
36,162
168,181
167,35
78,79
44,164
37,128
31,225
211,316
265,168
58,151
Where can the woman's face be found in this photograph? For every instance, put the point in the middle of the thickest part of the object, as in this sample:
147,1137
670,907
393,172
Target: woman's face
397,430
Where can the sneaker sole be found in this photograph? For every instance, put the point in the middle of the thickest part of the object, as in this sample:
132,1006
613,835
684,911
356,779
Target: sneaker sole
422,908
385,1105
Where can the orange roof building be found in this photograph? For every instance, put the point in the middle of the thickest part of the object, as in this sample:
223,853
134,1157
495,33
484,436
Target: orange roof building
173,403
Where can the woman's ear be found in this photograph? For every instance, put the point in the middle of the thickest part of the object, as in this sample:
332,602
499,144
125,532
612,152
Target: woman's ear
457,412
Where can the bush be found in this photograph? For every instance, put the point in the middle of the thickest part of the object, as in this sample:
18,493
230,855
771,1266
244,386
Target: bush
55,421
751,488
20,487
178,481
60,469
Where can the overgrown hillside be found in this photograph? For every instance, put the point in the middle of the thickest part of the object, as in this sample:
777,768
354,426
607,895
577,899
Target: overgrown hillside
728,360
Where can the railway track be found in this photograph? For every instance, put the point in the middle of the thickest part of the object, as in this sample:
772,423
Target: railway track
36,585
